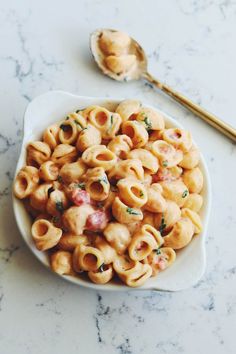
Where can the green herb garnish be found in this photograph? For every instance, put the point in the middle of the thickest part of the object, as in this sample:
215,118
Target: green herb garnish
147,123
81,185
141,194
55,219
50,190
185,193
101,268
158,251
165,163
131,211
163,225
67,117
59,179
59,206
65,127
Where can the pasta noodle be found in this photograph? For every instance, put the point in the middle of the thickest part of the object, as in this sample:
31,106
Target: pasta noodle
121,64
48,171
160,259
190,159
127,168
87,258
136,132
61,262
26,181
179,138
124,214
99,156
112,193
71,172
151,119
167,219
51,136
37,153
113,42
149,161
120,145
194,202
175,190
45,234
155,201
64,153
141,245
39,197
193,180
97,184
166,153
118,236
180,235
132,192
69,241
68,131
103,275
88,137
128,109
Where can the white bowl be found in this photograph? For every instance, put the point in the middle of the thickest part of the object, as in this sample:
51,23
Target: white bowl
190,263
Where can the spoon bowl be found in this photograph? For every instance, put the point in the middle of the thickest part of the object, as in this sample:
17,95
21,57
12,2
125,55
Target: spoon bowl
137,69
134,48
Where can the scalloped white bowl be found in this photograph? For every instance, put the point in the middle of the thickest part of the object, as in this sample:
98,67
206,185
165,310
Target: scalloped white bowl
190,263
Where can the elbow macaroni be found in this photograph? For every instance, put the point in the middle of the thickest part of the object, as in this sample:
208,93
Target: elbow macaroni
112,192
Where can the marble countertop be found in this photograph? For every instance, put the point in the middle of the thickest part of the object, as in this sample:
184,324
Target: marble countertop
191,46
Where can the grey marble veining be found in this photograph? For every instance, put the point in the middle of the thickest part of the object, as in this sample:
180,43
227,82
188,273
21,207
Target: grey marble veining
190,45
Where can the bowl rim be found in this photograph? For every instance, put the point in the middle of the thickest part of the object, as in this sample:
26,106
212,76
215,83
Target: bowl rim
110,286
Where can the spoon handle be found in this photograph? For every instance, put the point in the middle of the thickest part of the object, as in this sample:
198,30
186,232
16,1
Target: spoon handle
208,117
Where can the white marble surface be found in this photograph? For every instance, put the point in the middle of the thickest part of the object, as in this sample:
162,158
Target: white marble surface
191,45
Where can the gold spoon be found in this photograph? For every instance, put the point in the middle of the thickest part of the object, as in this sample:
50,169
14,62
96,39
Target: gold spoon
139,71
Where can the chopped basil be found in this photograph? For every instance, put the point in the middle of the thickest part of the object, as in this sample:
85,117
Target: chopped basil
147,123
59,206
111,124
59,179
81,185
78,110
131,211
55,219
165,163
101,268
185,193
141,194
67,117
163,225
65,127
158,251
50,190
